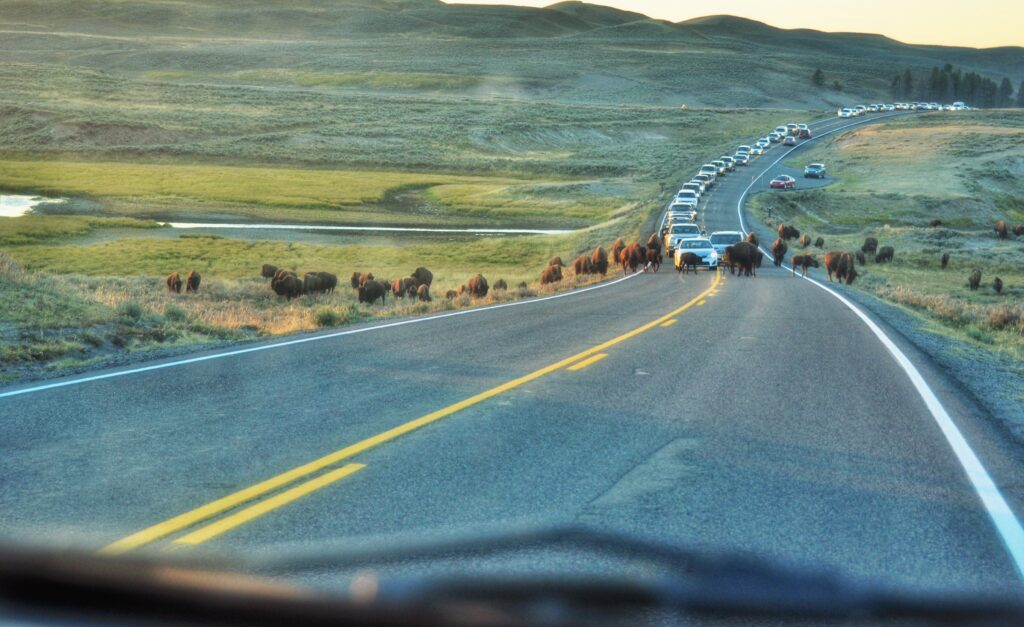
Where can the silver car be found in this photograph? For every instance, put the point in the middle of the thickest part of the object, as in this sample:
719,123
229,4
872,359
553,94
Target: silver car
706,255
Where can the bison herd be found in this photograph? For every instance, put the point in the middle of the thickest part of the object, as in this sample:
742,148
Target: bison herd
191,282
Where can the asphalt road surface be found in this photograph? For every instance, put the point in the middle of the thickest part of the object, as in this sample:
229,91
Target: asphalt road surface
760,415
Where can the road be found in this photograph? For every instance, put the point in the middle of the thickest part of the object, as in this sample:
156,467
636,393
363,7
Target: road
760,415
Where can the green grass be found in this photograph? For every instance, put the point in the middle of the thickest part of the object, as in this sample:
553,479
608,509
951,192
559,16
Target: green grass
31,229
416,81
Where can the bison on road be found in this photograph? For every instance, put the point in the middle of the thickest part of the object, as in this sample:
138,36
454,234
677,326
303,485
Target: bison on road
779,249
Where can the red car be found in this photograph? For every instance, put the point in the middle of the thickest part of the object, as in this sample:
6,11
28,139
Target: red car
783,182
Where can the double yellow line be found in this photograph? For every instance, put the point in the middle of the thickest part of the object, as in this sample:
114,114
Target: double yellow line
214,508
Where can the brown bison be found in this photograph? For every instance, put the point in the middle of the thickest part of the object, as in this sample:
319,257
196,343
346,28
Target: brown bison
477,286
819,242
997,285
174,282
328,282
556,261
687,261
450,294
745,256
935,223
1001,230
355,280
870,246
364,277
582,265
617,246
805,240
551,274
192,281
788,232
845,269
974,280
1018,230
832,262
311,283
423,276
631,258
752,238
885,254
423,293
599,261
500,284
268,271
653,260
371,290
779,249
654,242
522,286
286,284
401,287
803,262
861,259
945,260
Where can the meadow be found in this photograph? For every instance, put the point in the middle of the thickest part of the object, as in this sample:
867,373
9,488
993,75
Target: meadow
895,178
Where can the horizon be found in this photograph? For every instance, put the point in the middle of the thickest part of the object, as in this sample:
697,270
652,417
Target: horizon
913,22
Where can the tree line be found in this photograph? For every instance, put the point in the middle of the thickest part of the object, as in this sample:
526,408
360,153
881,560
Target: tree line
949,84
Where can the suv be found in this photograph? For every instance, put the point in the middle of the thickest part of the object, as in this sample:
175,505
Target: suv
804,133
789,141
730,163
706,180
742,158
792,129
686,197
679,232
721,239
710,169
722,167
693,186
814,171
744,148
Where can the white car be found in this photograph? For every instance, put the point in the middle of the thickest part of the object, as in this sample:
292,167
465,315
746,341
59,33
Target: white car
744,148
704,253
694,186
845,113
686,197
679,232
757,151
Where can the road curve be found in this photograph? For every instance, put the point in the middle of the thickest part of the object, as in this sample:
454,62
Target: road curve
753,414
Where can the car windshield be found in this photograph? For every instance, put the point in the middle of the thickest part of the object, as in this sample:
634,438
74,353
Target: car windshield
288,281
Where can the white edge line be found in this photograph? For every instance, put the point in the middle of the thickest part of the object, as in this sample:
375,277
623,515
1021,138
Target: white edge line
1006,523
303,340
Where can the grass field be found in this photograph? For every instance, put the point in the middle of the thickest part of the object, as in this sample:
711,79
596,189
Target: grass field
894,178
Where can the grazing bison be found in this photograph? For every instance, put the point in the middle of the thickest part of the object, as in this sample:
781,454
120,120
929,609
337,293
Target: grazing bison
945,260
870,246
286,284
556,261
935,223
805,240
364,277
450,294
423,293
522,286
500,284
311,283
997,285
371,290
653,260
884,255
397,289
1001,231
846,270
174,282
861,259
599,261
1018,230
752,238
779,249
788,232
803,262
745,256
355,280
687,261
617,247
819,243
328,282
400,288
268,271
832,262
423,276
477,285
582,265
974,280
551,274
192,281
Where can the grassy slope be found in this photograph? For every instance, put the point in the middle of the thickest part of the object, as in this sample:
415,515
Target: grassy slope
967,171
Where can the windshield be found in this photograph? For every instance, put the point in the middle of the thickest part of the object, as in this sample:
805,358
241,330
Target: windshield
284,280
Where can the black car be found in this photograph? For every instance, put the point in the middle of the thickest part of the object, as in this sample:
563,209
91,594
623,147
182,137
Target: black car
814,171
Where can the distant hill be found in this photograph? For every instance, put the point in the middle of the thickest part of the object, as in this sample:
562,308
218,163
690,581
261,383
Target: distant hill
569,51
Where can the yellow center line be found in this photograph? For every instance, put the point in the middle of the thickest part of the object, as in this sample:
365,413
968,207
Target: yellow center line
701,303
668,323
255,511
580,365
235,499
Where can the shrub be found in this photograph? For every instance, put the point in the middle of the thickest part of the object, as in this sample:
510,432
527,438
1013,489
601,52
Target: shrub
173,313
327,317
130,309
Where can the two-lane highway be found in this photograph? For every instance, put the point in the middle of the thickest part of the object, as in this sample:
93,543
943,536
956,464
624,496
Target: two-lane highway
715,411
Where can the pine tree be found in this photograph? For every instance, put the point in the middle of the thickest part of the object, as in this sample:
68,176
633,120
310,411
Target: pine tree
836,85
1004,98
1020,96
908,84
897,86
818,78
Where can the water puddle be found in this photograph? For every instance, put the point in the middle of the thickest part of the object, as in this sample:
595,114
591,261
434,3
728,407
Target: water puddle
12,205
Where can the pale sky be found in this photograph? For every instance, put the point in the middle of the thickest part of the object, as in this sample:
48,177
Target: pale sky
974,23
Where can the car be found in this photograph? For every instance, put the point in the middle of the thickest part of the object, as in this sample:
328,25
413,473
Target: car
789,141
757,150
764,142
890,107
744,148
774,137
699,246
679,232
814,170
792,129
710,169
694,186
860,109
721,239
844,113
723,169
686,197
705,179
783,181
730,163
742,158
782,131
804,133
873,108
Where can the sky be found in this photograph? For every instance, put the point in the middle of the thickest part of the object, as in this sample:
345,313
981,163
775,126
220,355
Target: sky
972,23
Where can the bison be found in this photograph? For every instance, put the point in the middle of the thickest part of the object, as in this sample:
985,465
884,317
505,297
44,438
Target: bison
788,232
884,255
779,249
371,290
173,283
745,256
861,259
423,276
752,238
286,284
819,242
803,262
974,280
1001,231
500,284
268,271
192,281
1018,230
997,285
311,283
832,262
935,223
423,293
582,265
599,261
617,246
870,246
686,261
328,282
631,258
556,261
450,294
653,259
654,242
477,285
355,280
846,270
945,260
805,240
551,274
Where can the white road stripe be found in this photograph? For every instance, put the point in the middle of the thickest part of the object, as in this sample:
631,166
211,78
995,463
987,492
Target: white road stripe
1005,521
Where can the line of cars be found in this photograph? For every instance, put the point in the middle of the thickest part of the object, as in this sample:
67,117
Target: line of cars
859,110
682,237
